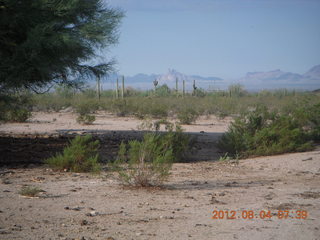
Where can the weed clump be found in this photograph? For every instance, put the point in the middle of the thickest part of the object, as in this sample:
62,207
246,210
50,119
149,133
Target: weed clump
80,156
263,132
84,111
86,119
148,162
30,191
188,116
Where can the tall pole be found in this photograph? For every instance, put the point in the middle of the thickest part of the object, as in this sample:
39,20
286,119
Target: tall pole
117,89
177,86
183,88
122,90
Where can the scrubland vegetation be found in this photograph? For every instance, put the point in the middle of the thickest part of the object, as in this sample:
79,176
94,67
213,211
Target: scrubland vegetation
265,123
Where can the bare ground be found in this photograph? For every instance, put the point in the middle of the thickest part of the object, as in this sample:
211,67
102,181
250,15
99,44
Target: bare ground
82,206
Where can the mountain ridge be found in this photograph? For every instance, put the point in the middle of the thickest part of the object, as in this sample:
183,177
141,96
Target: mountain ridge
252,80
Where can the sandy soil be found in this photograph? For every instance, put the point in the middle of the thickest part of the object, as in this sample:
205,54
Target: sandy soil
49,123
82,206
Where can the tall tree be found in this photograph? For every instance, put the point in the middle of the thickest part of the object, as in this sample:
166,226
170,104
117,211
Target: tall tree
45,41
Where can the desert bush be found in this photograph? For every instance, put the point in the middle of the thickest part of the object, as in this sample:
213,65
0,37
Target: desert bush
163,91
148,162
309,118
64,91
15,108
236,90
30,191
263,132
50,102
86,119
80,156
173,135
199,92
158,110
87,106
188,116
84,110
120,107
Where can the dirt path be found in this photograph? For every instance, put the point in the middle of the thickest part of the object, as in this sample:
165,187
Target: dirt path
82,206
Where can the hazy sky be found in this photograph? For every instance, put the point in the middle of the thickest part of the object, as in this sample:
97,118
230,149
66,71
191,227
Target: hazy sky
223,38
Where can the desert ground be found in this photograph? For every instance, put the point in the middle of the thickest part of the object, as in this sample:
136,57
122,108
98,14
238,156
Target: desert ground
86,206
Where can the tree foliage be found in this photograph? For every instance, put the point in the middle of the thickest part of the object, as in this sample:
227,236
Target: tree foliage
44,41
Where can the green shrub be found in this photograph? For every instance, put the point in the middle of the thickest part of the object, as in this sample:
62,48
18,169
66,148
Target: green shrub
86,119
163,91
173,136
84,110
158,110
309,117
87,107
262,132
80,156
15,108
120,107
188,116
199,92
18,115
149,161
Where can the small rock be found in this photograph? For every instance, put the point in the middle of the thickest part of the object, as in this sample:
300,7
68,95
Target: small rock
6,181
83,222
76,209
93,214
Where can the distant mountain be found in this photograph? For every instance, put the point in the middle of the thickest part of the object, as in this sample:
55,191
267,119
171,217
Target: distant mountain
279,79
313,73
251,81
145,81
275,75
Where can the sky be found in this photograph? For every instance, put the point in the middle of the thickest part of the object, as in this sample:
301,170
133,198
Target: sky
221,38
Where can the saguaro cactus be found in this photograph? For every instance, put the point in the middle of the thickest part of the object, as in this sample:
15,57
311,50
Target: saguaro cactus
194,87
117,89
122,89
